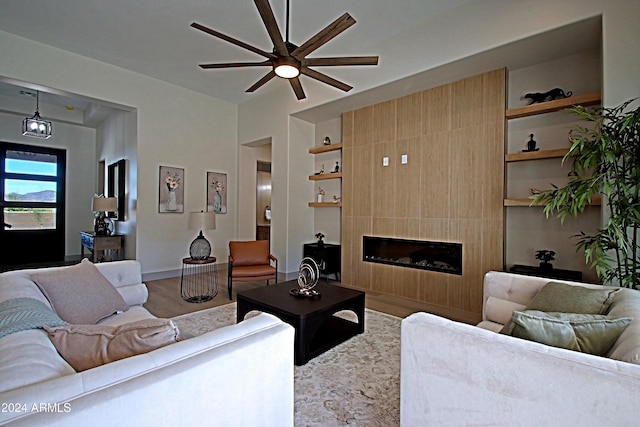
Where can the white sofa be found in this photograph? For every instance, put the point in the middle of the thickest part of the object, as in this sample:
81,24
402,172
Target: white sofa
459,374
238,375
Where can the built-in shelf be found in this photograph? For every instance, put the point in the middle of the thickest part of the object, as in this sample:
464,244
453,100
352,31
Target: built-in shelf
322,176
325,148
596,201
555,105
536,155
325,204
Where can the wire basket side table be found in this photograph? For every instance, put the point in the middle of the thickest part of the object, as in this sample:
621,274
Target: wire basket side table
199,282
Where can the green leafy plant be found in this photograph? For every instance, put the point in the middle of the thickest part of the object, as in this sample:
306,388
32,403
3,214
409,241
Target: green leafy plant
606,162
545,255
319,236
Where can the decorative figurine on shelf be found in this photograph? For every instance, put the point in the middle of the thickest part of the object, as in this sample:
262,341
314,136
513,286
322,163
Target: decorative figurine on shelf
556,93
531,144
320,195
545,256
321,170
337,168
327,140
336,199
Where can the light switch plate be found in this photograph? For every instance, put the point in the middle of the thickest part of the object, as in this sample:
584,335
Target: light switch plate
404,159
385,161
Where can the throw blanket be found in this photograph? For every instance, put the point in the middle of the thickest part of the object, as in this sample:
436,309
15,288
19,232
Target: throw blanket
20,314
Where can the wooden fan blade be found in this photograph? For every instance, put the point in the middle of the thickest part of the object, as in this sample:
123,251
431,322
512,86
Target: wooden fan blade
235,64
271,74
297,88
233,41
329,32
266,13
325,79
348,60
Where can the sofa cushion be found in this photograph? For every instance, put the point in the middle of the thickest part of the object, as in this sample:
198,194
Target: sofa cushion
499,310
587,333
626,303
563,298
21,314
87,346
80,294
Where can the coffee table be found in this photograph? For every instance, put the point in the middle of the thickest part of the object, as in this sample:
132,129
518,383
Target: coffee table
316,328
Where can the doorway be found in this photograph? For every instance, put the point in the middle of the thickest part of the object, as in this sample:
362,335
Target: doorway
263,201
32,201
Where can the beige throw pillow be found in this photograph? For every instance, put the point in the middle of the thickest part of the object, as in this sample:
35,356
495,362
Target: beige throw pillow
563,298
87,346
80,294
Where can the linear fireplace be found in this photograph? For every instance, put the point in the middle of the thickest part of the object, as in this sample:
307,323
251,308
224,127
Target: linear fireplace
425,255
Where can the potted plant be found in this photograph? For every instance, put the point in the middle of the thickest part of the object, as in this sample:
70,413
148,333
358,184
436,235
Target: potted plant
605,162
546,256
320,236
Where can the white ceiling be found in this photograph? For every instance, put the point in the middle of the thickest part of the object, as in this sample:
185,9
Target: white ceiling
154,37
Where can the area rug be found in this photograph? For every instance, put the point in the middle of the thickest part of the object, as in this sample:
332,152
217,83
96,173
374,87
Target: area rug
356,383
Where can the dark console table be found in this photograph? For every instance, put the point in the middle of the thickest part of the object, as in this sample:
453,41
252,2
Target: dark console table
551,273
327,256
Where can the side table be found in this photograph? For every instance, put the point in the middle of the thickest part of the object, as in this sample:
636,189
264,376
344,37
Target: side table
552,273
109,247
327,256
199,282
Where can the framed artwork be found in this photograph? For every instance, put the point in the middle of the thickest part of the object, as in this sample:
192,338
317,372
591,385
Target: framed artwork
171,190
217,192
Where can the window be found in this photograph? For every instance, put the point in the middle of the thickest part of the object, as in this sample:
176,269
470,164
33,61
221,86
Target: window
30,188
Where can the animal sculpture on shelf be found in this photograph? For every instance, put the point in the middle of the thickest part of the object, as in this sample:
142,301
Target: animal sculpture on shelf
556,93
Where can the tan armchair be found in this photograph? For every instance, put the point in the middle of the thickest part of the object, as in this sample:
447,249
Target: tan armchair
250,261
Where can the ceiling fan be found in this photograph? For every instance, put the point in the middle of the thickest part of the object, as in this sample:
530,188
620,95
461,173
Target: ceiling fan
288,60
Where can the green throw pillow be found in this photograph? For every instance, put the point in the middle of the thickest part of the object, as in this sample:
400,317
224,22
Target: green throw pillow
563,298
587,333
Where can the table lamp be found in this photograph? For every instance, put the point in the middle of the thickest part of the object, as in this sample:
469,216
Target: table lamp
201,248
100,205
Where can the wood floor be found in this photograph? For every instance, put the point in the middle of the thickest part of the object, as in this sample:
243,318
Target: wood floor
165,301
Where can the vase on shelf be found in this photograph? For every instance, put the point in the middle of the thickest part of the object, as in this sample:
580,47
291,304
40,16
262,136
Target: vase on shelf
171,201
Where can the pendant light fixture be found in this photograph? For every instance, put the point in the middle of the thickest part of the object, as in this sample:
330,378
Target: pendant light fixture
36,126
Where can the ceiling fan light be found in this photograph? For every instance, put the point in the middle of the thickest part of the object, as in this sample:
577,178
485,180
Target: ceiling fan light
287,68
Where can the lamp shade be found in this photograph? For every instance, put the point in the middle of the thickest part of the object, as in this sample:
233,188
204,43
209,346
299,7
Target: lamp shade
202,221
104,204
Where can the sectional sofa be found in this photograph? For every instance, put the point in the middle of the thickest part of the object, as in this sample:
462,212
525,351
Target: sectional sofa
459,374
236,375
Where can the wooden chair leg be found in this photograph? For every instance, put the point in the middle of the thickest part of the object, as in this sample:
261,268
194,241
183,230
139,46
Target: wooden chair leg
229,286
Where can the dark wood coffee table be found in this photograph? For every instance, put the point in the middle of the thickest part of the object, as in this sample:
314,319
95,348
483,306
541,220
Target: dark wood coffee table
317,329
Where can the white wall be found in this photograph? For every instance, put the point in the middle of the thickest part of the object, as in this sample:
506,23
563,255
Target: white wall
80,145
167,134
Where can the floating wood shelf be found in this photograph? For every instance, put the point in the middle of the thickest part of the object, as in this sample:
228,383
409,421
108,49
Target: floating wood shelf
596,201
555,105
536,155
325,148
333,175
325,204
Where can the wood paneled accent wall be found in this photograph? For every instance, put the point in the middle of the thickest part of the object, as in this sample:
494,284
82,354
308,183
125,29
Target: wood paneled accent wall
450,190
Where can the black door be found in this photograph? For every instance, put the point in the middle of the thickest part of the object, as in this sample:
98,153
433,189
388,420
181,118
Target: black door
32,202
